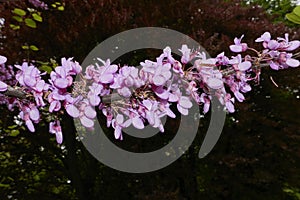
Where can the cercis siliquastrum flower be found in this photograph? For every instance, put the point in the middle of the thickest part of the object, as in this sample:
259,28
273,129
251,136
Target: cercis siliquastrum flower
130,96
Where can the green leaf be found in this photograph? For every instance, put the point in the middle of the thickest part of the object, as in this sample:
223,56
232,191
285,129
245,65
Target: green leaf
7,154
14,133
30,23
25,47
17,18
42,63
55,190
53,5
61,8
19,12
46,68
34,48
12,126
296,11
4,185
293,18
37,17
36,177
14,27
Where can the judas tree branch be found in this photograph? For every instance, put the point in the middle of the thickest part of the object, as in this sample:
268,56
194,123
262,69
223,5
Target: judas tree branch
15,92
21,94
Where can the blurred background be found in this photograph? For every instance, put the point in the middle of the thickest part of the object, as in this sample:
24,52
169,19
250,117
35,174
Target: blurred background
257,156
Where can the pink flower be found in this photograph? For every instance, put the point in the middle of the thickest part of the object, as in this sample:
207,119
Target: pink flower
229,103
282,60
238,46
184,104
105,73
287,45
55,128
28,75
204,98
61,78
265,38
118,123
28,114
186,53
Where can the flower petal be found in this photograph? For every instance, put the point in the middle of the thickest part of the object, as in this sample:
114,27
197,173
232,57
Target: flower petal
125,92
264,37
51,127
29,125
34,114
3,59
137,123
239,96
90,112
88,123
273,44
29,81
185,102
173,98
59,137
244,66
170,113
61,83
111,69
274,65
94,99
215,83
150,117
236,48
292,62
293,45
229,106
206,107
159,80
147,103
40,85
118,133
72,110
182,110
106,78
119,119
3,86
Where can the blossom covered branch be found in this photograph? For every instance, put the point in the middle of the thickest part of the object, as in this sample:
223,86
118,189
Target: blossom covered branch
130,96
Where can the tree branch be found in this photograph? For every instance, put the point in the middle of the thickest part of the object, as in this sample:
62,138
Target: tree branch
15,92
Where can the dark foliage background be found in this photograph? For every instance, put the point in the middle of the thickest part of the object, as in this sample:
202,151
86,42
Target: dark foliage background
256,157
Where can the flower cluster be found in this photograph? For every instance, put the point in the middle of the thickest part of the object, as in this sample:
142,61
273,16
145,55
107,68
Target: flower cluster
131,96
39,4
277,50
40,94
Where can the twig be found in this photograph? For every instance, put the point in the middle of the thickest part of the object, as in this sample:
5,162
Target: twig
273,81
15,92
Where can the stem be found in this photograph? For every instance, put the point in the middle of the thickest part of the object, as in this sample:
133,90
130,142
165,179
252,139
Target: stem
110,98
254,51
296,55
15,92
